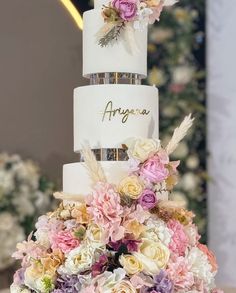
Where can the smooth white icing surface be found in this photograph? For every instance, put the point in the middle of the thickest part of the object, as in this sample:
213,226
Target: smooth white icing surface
76,179
100,129
100,3
113,58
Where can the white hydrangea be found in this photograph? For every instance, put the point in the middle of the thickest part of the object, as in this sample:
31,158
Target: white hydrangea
200,266
157,231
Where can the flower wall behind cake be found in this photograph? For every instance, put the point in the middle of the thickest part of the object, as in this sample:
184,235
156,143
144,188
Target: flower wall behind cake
124,238
24,195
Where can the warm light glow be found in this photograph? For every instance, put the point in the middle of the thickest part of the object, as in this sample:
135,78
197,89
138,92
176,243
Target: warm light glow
73,12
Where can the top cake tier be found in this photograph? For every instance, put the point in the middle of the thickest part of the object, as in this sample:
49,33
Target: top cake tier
116,57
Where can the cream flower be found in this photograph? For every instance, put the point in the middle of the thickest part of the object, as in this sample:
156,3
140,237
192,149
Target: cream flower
108,280
124,286
142,149
81,258
37,280
130,264
157,230
18,289
131,187
153,255
94,234
200,266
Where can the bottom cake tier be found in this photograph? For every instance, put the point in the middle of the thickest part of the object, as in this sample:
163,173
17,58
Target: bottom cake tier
77,181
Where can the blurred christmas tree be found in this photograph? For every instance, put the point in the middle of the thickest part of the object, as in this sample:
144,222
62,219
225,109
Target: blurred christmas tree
176,66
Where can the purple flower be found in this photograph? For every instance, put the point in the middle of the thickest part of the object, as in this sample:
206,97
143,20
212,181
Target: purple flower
127,8
148,199
162,283
100,266
68,284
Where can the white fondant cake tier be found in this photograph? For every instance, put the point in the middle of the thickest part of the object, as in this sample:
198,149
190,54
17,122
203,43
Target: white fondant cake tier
113,58
105,116
76,179
100,3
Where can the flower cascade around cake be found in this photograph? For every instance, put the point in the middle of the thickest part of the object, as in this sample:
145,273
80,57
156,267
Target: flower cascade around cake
126,238
129,16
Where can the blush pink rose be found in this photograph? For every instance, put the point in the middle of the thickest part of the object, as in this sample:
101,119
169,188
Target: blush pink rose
210,255
179,240
155,169
127,8
65,241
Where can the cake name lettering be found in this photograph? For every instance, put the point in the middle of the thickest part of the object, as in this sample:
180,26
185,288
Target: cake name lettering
111,112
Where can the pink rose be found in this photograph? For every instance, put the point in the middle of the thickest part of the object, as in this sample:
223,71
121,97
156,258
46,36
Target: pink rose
127,8
210,255
148,199
65,241
155,169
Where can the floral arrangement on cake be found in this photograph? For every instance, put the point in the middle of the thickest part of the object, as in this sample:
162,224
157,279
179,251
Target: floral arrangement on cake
176,66
23,194
126,238
128,16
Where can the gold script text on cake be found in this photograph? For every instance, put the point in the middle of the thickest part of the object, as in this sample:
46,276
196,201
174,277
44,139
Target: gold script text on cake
111,112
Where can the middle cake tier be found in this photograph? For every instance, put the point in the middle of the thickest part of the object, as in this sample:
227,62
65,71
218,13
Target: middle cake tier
105,116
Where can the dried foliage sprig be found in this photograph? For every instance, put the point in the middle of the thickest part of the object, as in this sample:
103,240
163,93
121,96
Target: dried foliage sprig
68,197
179,133
94,168
109,33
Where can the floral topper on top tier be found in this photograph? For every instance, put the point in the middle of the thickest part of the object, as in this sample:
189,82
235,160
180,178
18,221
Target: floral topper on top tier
129,15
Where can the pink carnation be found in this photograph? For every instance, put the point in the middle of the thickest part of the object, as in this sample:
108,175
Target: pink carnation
127,8
179,240
106,210
179,273
155,169
65,241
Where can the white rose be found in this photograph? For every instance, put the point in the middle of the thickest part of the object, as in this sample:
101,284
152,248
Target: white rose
141,149
124,286
81,258
108,280
153,255
95,234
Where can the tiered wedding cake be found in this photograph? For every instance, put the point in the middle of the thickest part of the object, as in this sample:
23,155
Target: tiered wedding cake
116,230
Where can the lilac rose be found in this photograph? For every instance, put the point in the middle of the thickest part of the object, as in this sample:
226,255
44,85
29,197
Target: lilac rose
148,199
127,8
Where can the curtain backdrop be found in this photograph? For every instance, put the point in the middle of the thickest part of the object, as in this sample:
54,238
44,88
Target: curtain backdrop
222,135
